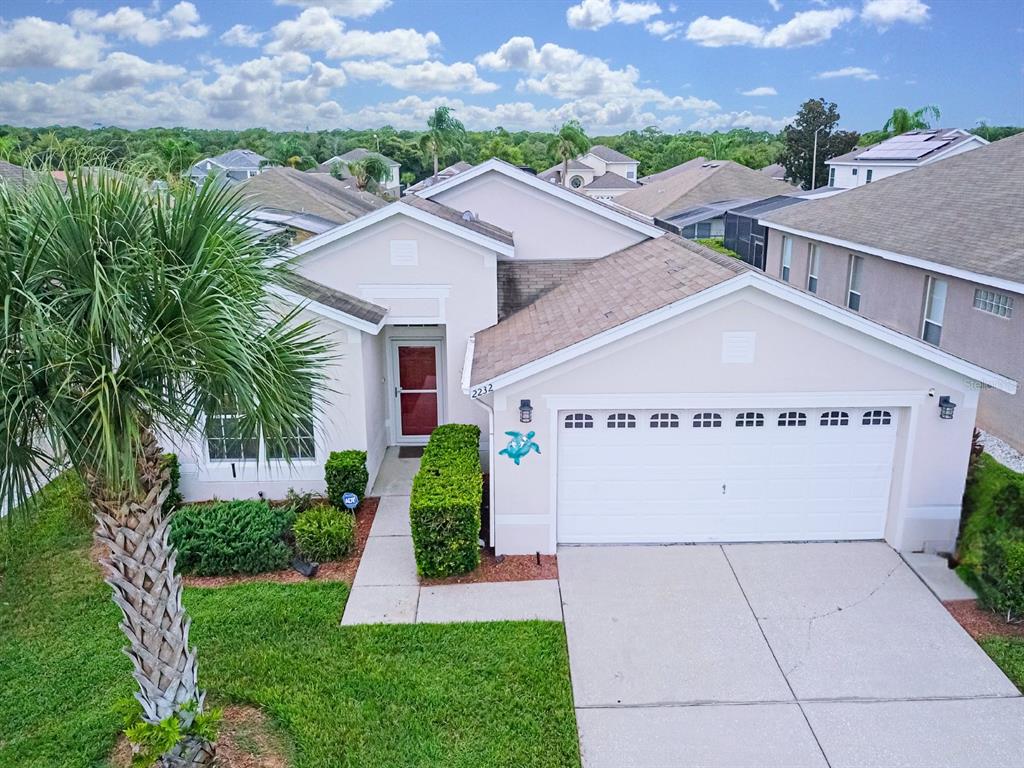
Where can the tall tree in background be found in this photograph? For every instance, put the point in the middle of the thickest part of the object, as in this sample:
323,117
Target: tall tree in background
570,142
797,157
128,315
444,135
372,169
902,119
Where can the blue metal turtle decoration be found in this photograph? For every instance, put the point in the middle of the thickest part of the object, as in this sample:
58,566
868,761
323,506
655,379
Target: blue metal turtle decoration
519,446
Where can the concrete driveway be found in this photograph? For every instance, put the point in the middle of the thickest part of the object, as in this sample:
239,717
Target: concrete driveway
823,655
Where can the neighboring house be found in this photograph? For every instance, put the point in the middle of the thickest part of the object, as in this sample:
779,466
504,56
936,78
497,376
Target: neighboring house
699,182
900,153
288,189
937,254
19,177
701,221
675,394
602,172
392,184
774,171
231,167
445,173
745,235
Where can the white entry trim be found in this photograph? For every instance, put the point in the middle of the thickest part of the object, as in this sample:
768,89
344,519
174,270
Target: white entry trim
394,409
751,279
913,261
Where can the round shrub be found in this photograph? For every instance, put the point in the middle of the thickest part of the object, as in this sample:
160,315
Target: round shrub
325,533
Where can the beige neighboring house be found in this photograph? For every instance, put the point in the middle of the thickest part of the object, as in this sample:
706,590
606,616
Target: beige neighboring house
602,173
673,394
905,152
937,254
392,185
698,182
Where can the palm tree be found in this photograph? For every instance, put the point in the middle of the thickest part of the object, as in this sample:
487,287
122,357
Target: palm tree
371,169
128,316
568,143
902,119
444,135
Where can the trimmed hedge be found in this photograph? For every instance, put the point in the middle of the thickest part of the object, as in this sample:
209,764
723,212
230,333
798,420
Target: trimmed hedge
325,533
1000,580
444,509
229,537
345,472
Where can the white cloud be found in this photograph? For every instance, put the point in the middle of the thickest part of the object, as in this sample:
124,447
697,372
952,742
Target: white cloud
242,35
764,90
884,13
595,14
350,8
180,22
315,29
805,28
122,70
565,73
724,121
666,30
424,76
35,42
860,73
776,5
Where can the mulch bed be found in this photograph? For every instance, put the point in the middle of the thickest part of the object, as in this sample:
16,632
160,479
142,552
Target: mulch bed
510,568
342,570
981,623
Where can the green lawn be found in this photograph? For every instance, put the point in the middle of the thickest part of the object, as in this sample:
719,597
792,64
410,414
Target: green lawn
459,695
1008,653
717,244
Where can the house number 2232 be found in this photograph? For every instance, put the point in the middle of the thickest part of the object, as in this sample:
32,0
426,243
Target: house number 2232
478,391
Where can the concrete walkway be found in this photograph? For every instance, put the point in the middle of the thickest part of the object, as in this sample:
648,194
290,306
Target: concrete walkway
387,590
817,655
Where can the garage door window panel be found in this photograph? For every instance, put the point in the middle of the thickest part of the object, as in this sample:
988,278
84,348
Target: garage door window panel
579,421
622,421
665,421
707,419
876,418
750,419
835,419
793,419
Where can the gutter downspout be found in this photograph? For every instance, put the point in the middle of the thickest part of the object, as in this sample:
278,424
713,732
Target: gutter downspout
467,372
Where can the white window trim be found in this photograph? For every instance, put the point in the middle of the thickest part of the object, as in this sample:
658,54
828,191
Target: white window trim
813,265
851,273
930,281
786,259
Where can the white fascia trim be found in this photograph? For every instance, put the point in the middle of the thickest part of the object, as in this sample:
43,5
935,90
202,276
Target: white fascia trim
774,288
400,208
913,261
467,364
499,166
734,400
325,311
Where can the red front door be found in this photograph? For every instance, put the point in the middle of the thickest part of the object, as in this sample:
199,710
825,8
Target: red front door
417,389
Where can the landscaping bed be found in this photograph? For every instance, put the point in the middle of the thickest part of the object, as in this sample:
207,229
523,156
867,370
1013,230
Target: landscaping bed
340,570
503,568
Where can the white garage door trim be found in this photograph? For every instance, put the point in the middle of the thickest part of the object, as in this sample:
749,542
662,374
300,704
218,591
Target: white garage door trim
868,520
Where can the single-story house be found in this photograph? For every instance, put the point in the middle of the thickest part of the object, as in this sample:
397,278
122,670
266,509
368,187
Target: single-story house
391,185
231,167
674,394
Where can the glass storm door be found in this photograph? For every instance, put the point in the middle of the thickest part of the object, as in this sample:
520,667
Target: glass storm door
417,387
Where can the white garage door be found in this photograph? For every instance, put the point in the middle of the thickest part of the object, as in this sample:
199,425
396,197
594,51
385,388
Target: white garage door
718,475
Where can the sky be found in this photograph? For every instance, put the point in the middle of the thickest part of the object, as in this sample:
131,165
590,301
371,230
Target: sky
529,64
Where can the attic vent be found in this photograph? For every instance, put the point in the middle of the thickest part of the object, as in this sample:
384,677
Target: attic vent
469,216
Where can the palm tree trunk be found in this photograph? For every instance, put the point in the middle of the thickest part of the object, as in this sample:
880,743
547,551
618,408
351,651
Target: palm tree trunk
140,570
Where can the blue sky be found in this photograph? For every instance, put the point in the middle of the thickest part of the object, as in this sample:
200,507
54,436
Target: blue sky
612,64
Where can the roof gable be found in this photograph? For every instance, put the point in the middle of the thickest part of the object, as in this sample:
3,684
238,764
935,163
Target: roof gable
624,218
609,155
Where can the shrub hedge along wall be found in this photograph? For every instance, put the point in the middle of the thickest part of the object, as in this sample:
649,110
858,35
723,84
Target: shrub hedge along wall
229,537
445,506
345,472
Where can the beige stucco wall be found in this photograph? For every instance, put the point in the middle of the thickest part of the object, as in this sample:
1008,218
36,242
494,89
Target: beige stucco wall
797,352
543,226
893,294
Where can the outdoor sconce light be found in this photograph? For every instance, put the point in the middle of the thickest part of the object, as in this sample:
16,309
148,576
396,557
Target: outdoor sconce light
946,407
525,411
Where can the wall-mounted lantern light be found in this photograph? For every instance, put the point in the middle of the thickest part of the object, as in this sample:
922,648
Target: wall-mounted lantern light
525,411
946,407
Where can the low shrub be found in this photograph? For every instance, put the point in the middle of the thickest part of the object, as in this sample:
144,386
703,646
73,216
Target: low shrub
445,505
345,472
324,533
229,537
1000,579
993,506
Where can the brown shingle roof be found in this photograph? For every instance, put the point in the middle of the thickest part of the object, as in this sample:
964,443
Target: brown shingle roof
456,217
339,300
321,194
696,184
965,211
611,181
611,291
610,155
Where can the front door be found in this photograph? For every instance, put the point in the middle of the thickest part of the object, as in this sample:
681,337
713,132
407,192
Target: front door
416,386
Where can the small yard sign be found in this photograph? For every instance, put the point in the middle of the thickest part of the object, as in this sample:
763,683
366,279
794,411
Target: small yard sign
350,500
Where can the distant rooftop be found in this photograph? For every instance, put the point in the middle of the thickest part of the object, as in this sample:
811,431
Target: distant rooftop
913,146
610,155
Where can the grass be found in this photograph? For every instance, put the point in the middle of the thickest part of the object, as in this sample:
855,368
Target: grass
717,244
1008,654
423,695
